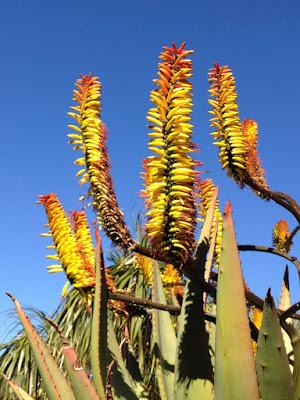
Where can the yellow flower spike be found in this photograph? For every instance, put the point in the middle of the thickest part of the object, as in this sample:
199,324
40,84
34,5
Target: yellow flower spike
84,239
76,267
281,236
95,161
206,191
228,134
170,276
145,265
253,164
170,140
257,319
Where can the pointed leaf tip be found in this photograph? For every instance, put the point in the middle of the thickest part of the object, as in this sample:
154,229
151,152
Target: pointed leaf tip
228,208
286,279
269,299
11,296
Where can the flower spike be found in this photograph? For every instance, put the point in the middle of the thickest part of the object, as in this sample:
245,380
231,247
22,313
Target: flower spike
206,191
79,270
226,122
169,175
90,137
254,170
281,236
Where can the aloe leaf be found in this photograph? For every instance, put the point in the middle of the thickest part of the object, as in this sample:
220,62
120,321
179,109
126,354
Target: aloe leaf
18,391
81,384
193,368
235,376
123,386
165,339
284,304
56,385
295,338
274,375
99,345
206,229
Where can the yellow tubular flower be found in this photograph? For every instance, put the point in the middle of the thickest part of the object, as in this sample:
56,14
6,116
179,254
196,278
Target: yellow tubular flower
171,276
90,137
169,175
77,269
226,122
145,265
281,236
253,164
257,319
206,191
83,237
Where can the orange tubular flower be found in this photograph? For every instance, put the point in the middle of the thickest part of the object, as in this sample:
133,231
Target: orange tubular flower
228,134
77,268
90,137
253,164
281,236
169,175
206,191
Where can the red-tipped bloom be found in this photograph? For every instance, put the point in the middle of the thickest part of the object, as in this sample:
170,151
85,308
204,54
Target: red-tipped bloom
90,137
79,269
169,173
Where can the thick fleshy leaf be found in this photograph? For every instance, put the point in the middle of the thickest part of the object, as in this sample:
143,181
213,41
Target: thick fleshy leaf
165,339
56,385
99,346
123,386
80,382
284,304
235,375
274,375
193,368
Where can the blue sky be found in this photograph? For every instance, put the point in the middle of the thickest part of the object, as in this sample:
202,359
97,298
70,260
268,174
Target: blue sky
45,45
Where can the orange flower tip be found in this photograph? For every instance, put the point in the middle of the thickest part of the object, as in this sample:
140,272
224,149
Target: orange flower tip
228,208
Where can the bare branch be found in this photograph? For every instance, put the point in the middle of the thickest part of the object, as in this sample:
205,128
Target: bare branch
271,250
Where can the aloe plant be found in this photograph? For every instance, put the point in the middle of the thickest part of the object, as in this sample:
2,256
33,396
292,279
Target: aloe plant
172,318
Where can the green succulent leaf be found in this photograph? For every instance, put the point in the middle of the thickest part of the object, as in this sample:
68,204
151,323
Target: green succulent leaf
165,338
56,385
235,375
99,345
274,375
193,367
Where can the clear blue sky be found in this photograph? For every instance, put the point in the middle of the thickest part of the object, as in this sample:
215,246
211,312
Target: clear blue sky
46,44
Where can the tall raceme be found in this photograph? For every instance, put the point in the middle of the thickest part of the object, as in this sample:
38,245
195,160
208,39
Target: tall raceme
228,134
169,174
83,237
281,236
206,191
254,170
79,269
90,137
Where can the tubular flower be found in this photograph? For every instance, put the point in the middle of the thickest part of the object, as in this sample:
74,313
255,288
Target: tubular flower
253,164
170,276
169,174
257,319
226,122
281,236
206,191
84,239
78,270
90,137
145,265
